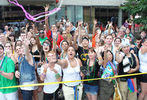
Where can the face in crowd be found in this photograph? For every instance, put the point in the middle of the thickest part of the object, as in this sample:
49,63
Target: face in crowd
85,42
126,49
71,52
109,40
51,57
109,55
46,47
20,50
91,53
65,45
54,28
33,40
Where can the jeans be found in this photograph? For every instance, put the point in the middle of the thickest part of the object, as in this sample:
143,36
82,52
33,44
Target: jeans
27,95
52,96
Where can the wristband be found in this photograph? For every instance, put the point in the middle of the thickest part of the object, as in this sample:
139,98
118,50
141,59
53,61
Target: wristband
0,72
44,75
57,75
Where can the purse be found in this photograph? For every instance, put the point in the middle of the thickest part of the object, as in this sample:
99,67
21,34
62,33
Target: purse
117,94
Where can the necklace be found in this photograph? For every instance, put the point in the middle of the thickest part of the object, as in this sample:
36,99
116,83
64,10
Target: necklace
90,75
131,62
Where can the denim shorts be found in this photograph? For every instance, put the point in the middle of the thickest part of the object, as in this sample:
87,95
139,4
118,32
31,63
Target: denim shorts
91,89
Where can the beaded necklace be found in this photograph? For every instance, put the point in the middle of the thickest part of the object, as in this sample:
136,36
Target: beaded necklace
90,69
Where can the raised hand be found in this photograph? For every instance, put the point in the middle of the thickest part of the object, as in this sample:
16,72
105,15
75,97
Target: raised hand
46,7
95,22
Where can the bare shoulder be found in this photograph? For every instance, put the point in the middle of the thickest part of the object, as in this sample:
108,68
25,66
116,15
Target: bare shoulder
79,61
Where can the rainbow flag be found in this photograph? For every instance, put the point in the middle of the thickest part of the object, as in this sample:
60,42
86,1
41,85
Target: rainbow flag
131,85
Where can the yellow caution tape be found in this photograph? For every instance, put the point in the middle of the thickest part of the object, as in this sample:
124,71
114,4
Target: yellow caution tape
41,84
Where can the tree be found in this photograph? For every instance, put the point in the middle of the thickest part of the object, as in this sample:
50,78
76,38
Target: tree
134,7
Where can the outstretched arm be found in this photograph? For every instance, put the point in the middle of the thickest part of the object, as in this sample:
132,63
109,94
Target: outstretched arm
46,18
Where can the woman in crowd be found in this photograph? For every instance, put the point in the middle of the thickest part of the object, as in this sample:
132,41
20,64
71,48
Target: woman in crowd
109,69
91,87
26,71
64,47
50,72
35,47
128,63
71,72
9,51
143,69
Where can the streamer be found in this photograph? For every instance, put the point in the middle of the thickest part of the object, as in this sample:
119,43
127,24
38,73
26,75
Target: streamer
36,17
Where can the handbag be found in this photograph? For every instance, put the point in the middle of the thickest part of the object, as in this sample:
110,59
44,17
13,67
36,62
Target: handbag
117,94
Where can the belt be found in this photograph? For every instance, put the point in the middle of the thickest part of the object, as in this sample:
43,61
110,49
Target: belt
72,86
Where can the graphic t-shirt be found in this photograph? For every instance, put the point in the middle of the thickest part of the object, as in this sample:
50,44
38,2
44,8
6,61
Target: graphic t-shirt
42,40
82,54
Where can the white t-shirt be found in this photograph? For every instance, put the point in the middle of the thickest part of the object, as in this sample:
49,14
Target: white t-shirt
143,62
50,77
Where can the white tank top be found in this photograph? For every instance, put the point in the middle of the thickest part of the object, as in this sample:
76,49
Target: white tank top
143,62
72,74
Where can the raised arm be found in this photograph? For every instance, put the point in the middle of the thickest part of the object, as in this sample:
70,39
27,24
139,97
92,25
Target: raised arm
63,63
46,18
94,26
75,39
28,55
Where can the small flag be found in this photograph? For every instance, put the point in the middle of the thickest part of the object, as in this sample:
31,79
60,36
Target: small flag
131,85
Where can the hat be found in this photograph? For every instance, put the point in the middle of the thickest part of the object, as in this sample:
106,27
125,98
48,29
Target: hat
85,38
124,45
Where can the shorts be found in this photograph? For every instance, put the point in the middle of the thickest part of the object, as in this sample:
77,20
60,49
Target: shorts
91,89
143,78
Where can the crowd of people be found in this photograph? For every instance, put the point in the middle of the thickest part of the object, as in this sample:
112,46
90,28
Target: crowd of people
65,52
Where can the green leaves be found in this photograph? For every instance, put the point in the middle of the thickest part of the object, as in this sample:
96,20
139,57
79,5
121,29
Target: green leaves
137,6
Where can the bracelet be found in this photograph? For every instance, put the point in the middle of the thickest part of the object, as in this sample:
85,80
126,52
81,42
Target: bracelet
0,72
57,75
44,75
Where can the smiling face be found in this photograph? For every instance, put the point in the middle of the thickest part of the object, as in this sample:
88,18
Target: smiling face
54,28
51,57
91,54
85,43
109,40
109,56
117,42
32,41
65,46
20,50
126,49
71,52
8,47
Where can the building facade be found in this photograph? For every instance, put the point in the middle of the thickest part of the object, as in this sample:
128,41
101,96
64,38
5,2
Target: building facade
74,10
